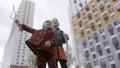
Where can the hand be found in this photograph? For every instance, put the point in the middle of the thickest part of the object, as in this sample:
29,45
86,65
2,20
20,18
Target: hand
16,21
19,25
66,36
47,43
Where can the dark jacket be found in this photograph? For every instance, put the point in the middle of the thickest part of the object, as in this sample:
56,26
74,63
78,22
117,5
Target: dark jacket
38,38
60,36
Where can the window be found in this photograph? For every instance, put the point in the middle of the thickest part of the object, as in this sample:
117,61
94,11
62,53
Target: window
101,31
23,60
102,7
89,16
117,22
75,1
111,11
113,16
87,54
83,13
106,43
103,64
18,52
108,50
82,32
98,1
108,6
95,36
18,55
110,58
92,26
96,14
106,1
87,8
99,25
115,42
105,16
91,43
80,23
113,66
94,56
89,37
99,50
103,37
84,42
119,56
78,15
110,29
118,29
22,63
97,20
95,62
94,10
92,49
88,32
17,63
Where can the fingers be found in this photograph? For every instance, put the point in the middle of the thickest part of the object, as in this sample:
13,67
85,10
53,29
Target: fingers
19,25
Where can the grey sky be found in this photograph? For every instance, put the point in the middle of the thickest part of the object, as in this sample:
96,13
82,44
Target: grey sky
44,9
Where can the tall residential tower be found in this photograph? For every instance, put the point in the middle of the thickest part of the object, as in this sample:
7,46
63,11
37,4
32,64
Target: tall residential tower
96,27
16,52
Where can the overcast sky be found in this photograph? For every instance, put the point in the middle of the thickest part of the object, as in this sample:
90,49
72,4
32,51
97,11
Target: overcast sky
44,10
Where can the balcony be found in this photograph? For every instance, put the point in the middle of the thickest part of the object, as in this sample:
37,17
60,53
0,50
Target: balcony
87,54
95,36
82,32
88,12
80,23
117,5
110,29
113,0
87,8
105,15
89,16
75,1
91,21
78,15
84,42
92,26
101,6
98,1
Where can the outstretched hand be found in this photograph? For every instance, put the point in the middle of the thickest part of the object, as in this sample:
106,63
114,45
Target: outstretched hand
47,43
19,25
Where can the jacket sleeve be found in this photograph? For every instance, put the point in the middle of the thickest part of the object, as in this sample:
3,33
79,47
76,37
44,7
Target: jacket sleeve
53,39
62,37
28,29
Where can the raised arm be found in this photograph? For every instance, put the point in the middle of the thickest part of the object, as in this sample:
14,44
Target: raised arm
24,27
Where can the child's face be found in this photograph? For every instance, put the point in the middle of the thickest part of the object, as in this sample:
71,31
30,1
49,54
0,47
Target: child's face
48,25
55,23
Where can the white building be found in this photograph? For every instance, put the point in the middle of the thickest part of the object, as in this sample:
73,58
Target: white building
16,52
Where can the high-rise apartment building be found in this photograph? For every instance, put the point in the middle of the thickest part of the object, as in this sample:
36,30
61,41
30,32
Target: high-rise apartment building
96,28
16,51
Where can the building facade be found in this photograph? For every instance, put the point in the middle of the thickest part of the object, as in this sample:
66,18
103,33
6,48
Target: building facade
16,51
96,27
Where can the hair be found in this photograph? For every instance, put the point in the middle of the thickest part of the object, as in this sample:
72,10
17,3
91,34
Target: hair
56,21
44,24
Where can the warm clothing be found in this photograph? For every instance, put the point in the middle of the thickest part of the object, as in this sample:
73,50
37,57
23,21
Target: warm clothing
59,51
37,44
60,36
